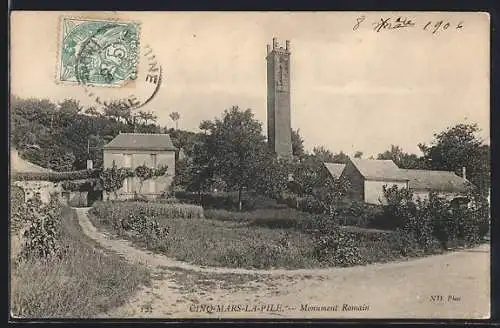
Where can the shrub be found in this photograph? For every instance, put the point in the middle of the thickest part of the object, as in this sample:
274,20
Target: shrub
85,282
337,247
41,230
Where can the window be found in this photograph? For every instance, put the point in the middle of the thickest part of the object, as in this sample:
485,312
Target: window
127,160
130,184
153,160
152,187
125,185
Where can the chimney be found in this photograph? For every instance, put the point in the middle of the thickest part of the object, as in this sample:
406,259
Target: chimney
463,173
268,49
287,45
275,43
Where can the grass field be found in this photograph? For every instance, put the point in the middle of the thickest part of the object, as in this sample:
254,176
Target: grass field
87,281
264,239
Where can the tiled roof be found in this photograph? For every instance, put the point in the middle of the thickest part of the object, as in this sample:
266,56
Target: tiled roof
381,170
335,169
141,141
435,180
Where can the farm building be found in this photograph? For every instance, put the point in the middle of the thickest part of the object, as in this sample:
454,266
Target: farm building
130,150
445,183
368,176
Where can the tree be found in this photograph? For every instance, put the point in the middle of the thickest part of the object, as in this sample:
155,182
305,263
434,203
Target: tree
402,159
340,158
457,147
297,144
358,154
175,116
236,144
322,154
146,117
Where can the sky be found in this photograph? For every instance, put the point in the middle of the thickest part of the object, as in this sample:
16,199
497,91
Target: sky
350,89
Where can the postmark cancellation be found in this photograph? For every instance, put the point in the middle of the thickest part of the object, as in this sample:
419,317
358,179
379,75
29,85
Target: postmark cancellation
98,52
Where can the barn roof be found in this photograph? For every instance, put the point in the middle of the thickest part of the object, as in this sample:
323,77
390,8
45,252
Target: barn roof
335,169
17,164
140,141
435,180
380,170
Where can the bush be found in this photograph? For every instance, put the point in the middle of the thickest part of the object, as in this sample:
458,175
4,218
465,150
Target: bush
84,283
462,221
41,229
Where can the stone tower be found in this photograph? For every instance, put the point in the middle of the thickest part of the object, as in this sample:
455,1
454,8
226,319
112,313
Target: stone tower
279,135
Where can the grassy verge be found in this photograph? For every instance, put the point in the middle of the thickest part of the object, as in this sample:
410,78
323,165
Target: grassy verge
262,239
86,282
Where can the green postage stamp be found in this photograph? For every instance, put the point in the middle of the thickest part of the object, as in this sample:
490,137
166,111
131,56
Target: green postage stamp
98,52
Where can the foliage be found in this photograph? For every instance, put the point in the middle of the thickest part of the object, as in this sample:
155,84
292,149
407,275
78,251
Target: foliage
116,210
17,208
81,185
87,281
112,178
457,147
401,159
144,173
436,219
273,176
297,144
323,155
55,176
235,145
41,229
337,247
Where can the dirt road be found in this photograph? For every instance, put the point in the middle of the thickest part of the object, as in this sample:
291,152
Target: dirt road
453,285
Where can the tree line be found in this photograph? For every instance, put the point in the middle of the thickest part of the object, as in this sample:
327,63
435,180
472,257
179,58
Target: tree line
229,152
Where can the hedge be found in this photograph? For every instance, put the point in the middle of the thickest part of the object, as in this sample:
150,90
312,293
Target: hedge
55,176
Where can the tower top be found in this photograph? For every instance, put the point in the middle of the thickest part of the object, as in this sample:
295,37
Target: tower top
277,48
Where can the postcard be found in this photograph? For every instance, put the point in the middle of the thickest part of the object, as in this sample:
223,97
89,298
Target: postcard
177,165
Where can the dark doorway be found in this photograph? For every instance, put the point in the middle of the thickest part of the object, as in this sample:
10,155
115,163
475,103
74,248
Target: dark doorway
94,196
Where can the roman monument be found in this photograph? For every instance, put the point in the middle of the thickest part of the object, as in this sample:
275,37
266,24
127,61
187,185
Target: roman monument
279,133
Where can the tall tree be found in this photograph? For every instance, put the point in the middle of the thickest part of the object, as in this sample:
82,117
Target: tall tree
459,146
297,144
237,145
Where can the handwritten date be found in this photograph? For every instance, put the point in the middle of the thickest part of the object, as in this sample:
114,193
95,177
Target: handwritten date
400,23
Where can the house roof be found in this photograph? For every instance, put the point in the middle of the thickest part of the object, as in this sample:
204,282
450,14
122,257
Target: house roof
19,165
335,169
380,170
435,180
141,141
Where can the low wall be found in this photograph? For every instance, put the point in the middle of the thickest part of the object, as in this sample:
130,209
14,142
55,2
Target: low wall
43,188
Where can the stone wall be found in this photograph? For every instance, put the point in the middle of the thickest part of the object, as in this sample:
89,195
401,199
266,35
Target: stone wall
43,188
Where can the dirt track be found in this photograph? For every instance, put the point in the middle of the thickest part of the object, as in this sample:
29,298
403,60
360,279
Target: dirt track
453,285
